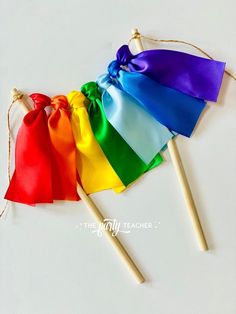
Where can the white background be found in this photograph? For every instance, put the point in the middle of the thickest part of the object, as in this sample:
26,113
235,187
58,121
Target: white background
48,264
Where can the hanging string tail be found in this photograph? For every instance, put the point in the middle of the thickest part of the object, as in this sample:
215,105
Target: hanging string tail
15,98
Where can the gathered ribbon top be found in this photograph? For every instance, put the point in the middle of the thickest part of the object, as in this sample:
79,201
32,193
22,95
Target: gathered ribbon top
91,91
40,100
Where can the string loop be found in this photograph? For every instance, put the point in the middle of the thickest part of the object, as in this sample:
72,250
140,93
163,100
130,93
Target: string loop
137,35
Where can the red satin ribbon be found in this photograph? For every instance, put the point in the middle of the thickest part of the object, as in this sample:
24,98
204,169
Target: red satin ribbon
32,179
63,151
45,166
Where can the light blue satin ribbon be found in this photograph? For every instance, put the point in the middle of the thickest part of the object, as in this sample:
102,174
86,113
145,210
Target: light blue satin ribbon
145,135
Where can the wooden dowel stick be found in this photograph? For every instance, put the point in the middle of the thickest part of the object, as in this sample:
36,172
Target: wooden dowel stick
179,169
94,210
114,240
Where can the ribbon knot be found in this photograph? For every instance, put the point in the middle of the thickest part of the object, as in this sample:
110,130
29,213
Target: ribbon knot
113,68
123,55
40,100
104,81
77,100
59,102
90,90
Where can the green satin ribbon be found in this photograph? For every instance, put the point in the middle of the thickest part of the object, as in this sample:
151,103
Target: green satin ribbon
121,156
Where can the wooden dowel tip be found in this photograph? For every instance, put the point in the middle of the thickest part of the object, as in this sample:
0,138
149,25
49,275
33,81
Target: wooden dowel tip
14,91
134,31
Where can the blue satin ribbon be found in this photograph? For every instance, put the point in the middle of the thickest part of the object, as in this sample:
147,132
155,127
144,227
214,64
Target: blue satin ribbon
139,129
177,111
195,76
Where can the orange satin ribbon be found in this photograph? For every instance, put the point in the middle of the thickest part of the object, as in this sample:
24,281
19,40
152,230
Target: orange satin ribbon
63,151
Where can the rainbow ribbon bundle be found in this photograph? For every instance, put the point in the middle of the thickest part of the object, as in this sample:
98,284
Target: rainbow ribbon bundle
113,130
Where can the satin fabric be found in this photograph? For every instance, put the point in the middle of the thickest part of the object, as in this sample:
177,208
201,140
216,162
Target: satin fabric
123,159
145,135
32,179
177,111
195,76
63,151
94,169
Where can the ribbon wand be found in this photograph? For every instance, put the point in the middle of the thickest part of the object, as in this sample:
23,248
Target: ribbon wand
18,95
179,169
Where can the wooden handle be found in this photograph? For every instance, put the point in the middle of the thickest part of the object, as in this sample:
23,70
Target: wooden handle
18,95
114,240
179,169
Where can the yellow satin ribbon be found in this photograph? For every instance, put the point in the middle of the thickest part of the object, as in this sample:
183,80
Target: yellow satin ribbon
94,169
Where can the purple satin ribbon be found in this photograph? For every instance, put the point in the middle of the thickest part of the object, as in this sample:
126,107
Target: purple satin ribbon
192,75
